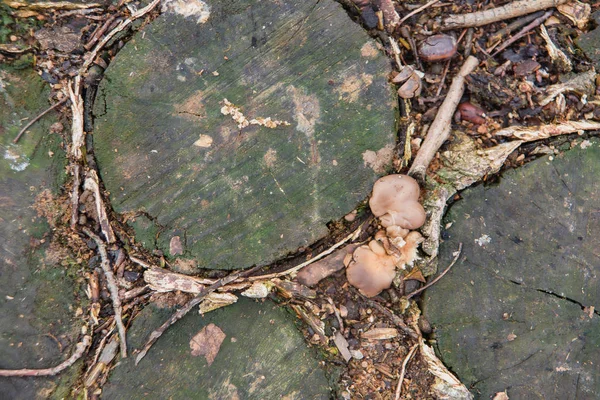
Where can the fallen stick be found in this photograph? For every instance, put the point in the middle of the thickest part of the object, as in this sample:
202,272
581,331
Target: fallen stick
529,134
536,22
510,10
157,333
77,132
91,183
298,267
388,313
440,276
75,196
403,370
50,5
513,26
418,10
33,121
111,282
79,350
122,25
440,128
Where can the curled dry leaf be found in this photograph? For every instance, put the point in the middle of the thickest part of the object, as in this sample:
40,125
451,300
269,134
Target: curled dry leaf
216,300
258,290
411,88
577,12
207,342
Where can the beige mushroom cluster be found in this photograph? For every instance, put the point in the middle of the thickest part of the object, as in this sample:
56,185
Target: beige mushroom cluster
395,201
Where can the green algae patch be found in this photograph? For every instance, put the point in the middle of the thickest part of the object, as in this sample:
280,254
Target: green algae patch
38,296
245,134
518,312
263,356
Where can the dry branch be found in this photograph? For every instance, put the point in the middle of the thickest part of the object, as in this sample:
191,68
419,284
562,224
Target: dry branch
440,276
529,134
510,10
79,350
440,128
91,184
536,22
75,196
403,371
157,333
111,282
77,132
51,5
122,25
33,121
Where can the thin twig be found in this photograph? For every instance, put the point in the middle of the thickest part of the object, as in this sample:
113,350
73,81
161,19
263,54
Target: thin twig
511,10
498,35
440,127
122,25
33,121
50,5
75,196
388,313
92,184
440,276
418,10
79,350
403,370
312,260
523,31
111,282
157,333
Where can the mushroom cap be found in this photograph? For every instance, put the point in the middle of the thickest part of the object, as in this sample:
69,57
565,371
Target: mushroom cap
410,216
391,191
370,273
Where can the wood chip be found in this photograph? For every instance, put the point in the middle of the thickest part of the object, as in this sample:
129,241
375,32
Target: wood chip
380,334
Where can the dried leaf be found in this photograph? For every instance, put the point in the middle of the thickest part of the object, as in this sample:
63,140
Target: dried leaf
380,334
207,342
216,300
415,274
577,12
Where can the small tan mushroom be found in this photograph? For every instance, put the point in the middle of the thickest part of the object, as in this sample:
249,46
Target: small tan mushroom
395,201
391,191
410,216
371,270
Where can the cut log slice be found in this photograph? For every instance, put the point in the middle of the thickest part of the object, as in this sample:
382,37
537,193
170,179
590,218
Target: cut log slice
519,311
38,291
237,130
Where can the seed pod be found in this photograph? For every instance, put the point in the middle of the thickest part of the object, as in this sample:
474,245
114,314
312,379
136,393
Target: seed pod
437,48
471,113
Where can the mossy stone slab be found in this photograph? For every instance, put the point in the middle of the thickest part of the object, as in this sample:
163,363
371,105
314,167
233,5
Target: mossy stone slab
238,197
263,356
37,295
510,315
